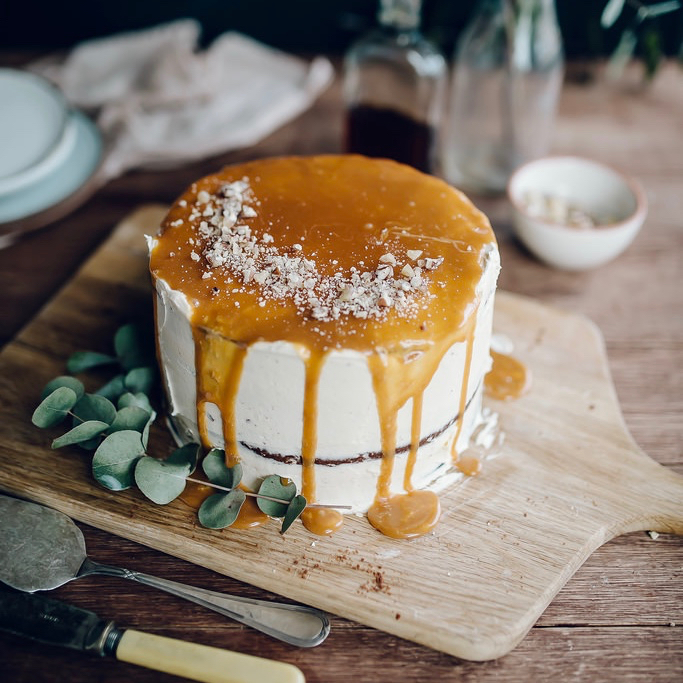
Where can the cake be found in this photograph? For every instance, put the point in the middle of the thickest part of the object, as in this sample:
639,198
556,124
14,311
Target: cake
328,319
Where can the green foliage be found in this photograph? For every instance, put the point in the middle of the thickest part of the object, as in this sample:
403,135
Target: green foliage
113,388
130,417
54,407
221,509
63,381
94,407
275,487
161,481
294,509
86,360
115,420
218,472
113,464
139,380
129,350
81,433
634,37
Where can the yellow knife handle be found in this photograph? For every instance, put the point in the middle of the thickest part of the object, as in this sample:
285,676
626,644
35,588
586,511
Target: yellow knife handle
200,662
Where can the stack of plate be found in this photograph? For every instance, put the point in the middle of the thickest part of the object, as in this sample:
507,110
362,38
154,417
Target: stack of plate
47,150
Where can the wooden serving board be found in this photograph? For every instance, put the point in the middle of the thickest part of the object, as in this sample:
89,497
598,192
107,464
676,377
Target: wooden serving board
568,479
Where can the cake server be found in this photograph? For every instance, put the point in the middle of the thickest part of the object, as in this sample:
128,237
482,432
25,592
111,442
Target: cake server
41,549
56,623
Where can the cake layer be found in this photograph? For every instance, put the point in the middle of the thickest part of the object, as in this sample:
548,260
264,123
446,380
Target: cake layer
269,406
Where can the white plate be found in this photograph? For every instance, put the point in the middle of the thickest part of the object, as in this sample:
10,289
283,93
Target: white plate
34,119
63,180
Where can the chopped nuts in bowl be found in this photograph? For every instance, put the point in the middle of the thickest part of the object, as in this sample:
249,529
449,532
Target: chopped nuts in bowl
574,213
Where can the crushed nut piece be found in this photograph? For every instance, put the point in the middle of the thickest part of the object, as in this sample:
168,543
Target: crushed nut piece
388,258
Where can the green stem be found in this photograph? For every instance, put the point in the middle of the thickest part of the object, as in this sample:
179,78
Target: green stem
259,495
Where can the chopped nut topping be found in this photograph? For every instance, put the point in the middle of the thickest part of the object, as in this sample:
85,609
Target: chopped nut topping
227,242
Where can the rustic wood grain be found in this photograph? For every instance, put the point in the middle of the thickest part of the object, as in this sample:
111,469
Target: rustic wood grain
611,621
567,479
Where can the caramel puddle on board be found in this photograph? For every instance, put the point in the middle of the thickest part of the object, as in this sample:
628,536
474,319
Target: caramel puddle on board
319,521
249,515
508,379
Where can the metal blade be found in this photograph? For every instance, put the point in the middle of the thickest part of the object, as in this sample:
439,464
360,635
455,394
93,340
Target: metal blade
53,622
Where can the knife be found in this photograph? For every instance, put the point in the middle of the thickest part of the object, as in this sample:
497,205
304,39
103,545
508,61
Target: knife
56,623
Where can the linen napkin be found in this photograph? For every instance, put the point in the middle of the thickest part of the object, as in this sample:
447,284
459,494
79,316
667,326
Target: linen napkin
160,101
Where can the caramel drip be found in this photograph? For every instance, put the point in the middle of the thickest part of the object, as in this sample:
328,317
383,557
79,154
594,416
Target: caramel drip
469,340
381,368
402,515
219,368
508,379
415,433
320,521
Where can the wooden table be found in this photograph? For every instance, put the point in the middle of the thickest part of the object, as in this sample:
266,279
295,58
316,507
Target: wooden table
620,617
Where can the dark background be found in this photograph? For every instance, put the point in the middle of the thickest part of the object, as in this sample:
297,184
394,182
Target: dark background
304,26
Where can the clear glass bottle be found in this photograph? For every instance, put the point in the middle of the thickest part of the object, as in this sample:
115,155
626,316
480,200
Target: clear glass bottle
394,87
507,78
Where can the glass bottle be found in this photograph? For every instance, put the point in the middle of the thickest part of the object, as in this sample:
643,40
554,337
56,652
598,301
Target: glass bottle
394,86
507,78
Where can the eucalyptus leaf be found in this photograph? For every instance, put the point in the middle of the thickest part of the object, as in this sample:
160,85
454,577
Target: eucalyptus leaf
275,486
218,472
94,407
54,407
113,388
130,417
139,399
140,380
660,8
146,428
63,381
85,360
621,55
113,464
82,433
128,348
187,456
221,509
296,506
611,12
90,444
160,480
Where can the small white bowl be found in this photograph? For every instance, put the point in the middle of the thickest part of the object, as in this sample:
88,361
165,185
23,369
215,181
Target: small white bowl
616,202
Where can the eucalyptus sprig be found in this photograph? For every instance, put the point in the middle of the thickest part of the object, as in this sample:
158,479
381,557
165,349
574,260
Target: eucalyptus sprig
114,422
649,39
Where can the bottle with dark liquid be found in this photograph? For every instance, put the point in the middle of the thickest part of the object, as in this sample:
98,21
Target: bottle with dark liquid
394,84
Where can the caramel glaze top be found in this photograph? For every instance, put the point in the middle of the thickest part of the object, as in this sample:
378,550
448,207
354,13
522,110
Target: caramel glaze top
345,214
345,211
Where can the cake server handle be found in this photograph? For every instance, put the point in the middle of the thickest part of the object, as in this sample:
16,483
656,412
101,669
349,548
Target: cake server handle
294,624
